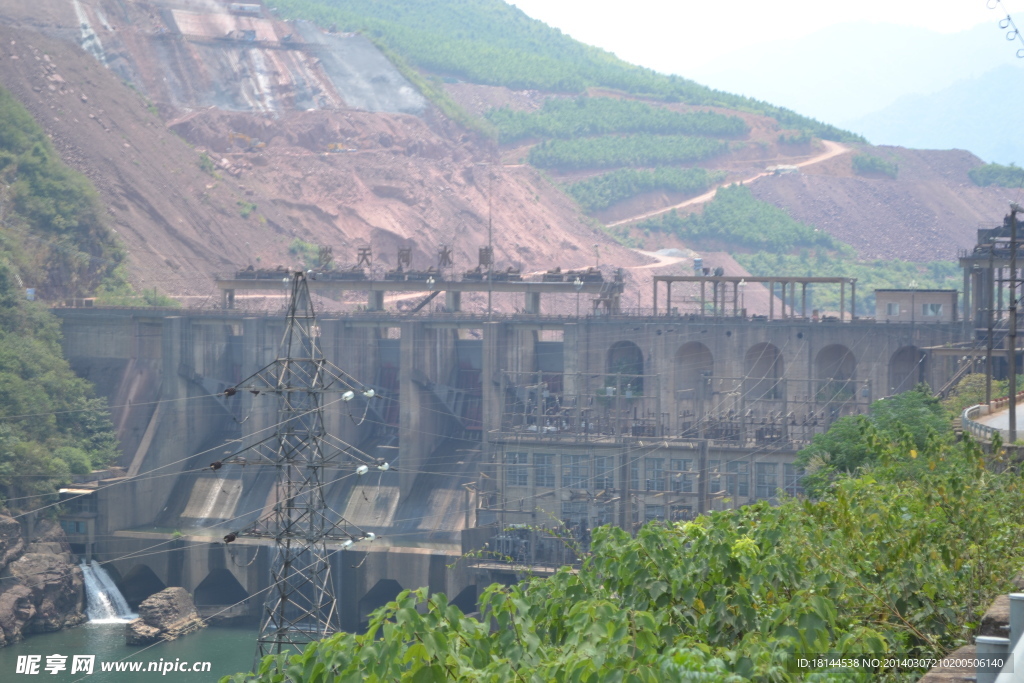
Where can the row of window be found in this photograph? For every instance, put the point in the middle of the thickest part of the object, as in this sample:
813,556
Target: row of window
72,527
578,512
927,310
676,475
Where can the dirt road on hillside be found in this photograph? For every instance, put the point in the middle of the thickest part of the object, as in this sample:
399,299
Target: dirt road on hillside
832,149
661,260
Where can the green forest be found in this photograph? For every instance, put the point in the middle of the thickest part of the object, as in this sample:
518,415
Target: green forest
600,192
589,116
494,43
735,217
870,275
52,237
624,150
884,558
997,174
54,232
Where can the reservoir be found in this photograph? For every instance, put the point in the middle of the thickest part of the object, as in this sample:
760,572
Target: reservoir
229,651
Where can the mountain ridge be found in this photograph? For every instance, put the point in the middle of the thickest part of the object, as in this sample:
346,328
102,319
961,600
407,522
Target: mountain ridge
196,190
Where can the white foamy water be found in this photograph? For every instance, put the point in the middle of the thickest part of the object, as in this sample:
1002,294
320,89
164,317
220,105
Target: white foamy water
104,603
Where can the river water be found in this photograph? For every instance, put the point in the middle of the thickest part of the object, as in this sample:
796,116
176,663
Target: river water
229,650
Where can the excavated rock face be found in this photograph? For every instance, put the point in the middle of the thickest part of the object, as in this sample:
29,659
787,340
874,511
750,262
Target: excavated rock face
12,545
352,174
16,610
166,615
57,590
41,590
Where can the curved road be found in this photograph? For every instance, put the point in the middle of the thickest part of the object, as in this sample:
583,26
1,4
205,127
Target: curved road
1001,419
832,149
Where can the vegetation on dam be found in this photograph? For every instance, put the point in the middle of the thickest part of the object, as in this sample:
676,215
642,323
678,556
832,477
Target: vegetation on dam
887,559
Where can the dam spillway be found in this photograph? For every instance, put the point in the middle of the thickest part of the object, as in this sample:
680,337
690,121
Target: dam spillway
491,422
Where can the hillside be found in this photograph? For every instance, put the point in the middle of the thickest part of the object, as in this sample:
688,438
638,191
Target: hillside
219,141
949,117
194,193
841,84
53,239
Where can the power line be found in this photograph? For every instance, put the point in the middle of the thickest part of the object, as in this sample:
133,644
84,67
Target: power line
303,607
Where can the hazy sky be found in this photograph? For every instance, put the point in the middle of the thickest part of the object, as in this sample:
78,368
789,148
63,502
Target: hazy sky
672,36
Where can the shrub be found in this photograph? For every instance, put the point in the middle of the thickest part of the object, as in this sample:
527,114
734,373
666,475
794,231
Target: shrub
997,174
865,164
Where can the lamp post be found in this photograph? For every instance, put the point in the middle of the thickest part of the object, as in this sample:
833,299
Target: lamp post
578,284
1012,334
913,287
490,232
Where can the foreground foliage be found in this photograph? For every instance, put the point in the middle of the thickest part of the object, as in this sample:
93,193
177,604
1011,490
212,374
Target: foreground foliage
901,560
911,418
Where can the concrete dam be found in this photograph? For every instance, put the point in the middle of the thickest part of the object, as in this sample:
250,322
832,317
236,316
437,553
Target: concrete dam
498,427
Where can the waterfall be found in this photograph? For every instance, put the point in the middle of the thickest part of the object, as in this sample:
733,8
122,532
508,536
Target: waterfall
104,602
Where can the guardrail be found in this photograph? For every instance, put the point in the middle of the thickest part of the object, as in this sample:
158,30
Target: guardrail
983,432
976,429
991,650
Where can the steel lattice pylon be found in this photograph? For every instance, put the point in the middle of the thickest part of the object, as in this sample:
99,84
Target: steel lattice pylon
300,605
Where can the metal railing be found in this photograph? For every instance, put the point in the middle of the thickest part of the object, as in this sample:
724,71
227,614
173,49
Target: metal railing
979,431
1010,650
983,432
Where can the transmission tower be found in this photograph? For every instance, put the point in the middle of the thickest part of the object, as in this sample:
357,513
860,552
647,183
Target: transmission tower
300,605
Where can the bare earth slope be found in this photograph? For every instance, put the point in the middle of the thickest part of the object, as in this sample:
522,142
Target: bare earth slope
339,176
316,136
928,212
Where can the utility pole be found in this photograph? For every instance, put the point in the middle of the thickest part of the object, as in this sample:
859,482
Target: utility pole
990,295
626,500
1014,208
300,605
490,236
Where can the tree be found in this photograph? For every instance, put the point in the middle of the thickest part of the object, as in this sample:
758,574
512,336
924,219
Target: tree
888,562
911,418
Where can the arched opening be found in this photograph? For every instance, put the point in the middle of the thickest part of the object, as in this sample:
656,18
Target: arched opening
466,599
694,365
220,587
626,364
835,367
906,369
139,583
763,370
383,592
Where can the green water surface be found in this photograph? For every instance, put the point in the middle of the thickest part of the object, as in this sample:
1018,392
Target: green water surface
229,650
